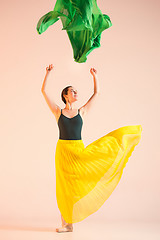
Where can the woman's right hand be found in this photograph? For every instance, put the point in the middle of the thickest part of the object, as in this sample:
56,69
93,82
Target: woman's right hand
93,71
48,69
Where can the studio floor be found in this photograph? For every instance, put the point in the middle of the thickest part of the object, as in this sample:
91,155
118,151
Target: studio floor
82,231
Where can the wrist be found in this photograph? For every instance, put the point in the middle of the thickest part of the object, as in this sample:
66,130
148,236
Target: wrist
95,75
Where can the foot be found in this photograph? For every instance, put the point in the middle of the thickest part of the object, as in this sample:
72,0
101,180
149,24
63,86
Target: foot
65,228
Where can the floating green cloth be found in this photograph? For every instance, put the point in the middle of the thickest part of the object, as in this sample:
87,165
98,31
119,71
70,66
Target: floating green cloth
83,21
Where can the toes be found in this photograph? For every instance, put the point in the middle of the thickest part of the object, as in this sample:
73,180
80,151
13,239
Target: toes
64,229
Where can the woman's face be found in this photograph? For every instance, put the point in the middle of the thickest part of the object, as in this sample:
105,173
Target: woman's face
72,95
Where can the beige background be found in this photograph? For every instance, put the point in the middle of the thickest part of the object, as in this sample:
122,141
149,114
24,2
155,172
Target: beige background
128,69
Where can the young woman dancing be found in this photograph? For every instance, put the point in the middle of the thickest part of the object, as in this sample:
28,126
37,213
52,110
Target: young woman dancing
86,176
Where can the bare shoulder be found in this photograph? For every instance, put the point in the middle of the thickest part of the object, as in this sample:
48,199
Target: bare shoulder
56,110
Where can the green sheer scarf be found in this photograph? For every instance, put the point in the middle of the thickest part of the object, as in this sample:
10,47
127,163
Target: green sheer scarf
83,21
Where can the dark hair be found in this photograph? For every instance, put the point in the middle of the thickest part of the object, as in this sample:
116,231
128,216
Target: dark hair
64,92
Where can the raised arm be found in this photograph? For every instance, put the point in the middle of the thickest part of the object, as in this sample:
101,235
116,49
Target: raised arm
84,109
53,107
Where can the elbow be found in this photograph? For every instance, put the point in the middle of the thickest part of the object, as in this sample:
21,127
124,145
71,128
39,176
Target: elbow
97,93
42,90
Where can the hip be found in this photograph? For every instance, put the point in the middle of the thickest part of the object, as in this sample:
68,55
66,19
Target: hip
69,147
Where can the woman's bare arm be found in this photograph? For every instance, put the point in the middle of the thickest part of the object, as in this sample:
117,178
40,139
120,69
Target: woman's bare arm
53,107
84,109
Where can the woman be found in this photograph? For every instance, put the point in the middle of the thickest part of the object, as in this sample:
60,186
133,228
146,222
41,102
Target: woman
86,176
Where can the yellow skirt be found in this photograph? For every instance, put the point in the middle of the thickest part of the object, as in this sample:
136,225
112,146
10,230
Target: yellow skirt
86,176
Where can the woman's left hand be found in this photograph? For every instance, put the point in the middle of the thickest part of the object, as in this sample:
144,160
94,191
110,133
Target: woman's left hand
93,71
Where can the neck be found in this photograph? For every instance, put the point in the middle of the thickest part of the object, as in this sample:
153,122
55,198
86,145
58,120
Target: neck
69,106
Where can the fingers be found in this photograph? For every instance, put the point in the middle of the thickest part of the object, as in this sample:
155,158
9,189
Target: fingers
93,70
50,67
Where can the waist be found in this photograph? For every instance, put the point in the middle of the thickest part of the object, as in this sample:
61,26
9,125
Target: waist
69,141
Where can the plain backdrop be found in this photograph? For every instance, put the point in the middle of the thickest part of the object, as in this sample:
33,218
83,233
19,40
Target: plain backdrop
127,64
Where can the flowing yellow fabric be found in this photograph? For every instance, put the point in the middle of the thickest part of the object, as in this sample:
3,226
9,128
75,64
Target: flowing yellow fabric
86,176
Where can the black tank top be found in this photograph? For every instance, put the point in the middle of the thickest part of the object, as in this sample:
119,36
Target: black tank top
70,128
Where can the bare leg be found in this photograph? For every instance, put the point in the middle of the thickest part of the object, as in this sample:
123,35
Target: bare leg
63,221
66,227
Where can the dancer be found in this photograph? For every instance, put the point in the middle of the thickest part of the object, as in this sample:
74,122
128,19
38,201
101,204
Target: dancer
86,176
83,21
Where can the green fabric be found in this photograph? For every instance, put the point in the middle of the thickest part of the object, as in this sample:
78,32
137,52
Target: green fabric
83,21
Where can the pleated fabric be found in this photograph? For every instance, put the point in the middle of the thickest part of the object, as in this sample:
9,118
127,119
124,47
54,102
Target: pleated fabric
83,21
86,176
